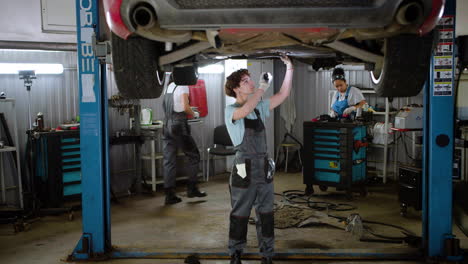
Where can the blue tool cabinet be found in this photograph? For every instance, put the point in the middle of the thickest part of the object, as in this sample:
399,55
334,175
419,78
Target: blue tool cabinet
335,155
57,167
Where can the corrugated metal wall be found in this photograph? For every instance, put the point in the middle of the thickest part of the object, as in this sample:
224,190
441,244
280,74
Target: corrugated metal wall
312,92
122,156
56,96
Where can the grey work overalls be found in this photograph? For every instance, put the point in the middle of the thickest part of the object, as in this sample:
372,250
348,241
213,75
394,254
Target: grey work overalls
176,134
253,190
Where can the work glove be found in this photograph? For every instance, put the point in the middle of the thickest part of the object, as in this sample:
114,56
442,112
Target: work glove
196,114
349,110
286,61
333,114
265,81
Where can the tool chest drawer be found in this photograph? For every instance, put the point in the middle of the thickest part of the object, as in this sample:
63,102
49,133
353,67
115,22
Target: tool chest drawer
334,155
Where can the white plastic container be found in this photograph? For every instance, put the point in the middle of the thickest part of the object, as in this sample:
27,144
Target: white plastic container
146,117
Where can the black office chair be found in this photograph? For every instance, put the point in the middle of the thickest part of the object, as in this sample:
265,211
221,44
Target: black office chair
221,141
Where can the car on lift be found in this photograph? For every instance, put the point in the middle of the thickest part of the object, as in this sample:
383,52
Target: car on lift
394,39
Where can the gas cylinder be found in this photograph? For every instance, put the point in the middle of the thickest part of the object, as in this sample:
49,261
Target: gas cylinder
198,97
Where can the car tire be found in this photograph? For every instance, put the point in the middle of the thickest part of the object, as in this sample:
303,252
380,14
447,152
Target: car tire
406,66
135,65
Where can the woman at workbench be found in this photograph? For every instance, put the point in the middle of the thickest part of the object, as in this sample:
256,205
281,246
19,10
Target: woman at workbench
346,98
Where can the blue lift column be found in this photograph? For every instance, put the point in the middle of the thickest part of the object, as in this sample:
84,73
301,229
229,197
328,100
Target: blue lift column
438,143
95,240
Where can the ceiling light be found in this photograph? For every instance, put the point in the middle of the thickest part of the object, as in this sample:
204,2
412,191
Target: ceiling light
213,68
39,68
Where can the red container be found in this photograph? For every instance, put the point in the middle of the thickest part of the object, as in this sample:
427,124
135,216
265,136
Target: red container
198,97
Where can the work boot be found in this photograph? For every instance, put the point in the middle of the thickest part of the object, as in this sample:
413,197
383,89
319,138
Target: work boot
267,260
193,191
171,197
236,258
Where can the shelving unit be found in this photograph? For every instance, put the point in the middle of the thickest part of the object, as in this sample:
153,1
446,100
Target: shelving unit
7,149
386,146
153,134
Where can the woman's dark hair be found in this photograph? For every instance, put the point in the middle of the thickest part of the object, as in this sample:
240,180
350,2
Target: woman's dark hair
338,74
233,81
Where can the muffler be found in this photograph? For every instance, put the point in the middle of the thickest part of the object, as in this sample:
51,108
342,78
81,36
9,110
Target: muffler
411,13
146,25
143,17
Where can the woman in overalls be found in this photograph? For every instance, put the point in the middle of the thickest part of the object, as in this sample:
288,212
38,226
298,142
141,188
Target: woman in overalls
346,99
250,183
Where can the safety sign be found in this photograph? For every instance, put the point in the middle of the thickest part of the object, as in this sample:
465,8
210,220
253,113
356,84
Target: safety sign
443,58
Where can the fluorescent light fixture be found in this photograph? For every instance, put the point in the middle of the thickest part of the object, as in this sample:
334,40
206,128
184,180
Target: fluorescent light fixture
39,68
234,65
213,68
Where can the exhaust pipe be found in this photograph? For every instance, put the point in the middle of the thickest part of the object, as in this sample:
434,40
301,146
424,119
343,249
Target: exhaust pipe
145,22
143,17
410,13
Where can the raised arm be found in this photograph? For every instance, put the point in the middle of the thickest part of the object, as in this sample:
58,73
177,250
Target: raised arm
249,106
283,93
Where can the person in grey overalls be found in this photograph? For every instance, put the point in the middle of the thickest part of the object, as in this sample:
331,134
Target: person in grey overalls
176,134
251,181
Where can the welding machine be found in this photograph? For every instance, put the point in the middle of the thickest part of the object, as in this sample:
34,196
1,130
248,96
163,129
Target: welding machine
409,117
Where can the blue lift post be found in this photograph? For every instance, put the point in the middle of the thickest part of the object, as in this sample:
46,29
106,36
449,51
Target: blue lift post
95,240
438,144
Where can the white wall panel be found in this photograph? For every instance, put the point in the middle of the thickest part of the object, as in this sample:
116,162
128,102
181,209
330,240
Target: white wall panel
21,21
461,27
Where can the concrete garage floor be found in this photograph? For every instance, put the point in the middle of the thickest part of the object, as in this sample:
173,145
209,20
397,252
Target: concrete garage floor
144,223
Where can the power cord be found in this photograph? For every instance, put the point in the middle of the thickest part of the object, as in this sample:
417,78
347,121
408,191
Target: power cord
299,197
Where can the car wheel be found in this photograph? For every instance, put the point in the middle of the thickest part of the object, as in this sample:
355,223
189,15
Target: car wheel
135,65
323,188
405,67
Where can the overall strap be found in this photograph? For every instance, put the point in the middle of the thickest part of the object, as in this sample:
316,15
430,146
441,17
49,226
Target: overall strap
257,113
347,92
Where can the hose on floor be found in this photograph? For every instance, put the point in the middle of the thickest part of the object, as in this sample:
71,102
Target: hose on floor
299,197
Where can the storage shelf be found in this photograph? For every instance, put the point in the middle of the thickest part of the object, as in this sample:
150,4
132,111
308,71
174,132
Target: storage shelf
153,134
368,91
387,114
158,155
383,113
372,145
7,149
161,181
